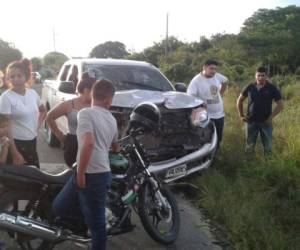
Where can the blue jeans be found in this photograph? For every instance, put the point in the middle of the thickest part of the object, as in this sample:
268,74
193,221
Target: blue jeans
265,130
90,201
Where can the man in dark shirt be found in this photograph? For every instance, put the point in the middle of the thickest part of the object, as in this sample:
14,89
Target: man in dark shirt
259,112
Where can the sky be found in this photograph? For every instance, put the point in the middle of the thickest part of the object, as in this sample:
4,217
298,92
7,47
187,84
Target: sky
74,27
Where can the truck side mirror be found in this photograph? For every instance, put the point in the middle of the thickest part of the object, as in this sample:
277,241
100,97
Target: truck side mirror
67,87
180,87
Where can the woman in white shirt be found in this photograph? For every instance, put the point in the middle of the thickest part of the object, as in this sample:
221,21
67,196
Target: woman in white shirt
26,112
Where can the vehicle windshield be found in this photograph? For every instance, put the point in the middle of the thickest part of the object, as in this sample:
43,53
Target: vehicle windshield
127,77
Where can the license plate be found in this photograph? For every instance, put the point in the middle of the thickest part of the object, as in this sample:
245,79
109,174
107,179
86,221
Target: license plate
177,171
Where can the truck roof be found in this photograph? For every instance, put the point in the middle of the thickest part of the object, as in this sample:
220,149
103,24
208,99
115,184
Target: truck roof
109,61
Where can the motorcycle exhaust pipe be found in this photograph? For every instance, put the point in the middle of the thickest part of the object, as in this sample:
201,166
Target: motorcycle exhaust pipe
38,229
30,227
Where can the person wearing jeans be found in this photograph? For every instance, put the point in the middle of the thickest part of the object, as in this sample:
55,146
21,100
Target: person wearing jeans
69,204
96,133
265,130
261,95
92,201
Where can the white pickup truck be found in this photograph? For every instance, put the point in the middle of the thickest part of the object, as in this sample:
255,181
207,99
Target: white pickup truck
181,148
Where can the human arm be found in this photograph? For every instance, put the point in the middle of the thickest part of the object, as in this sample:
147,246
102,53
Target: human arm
41,107
279,104
17,158
223,88
192,88
84,158
240,108
223,80
115,147
58,111
276,111
4,149
42,114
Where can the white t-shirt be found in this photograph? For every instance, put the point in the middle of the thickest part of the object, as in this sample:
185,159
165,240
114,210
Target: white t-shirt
208,90
101,123
24,112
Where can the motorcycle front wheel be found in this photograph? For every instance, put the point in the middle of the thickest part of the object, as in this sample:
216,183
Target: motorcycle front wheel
161,222
16,203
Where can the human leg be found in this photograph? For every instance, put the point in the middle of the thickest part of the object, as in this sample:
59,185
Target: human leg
92,203
266,131
252,130
66,203
28,150
219,124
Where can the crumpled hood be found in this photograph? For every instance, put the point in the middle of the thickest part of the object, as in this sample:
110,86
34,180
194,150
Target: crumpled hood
170,99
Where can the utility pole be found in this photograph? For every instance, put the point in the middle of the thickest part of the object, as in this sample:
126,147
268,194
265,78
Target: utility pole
54,38
167,36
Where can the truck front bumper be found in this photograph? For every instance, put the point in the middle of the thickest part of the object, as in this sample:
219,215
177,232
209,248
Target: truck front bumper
174,169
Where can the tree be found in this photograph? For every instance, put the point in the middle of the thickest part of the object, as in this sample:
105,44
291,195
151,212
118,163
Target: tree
54,60
273,36
8,53
109,50
36,63
155,53
177,65
201,46
136,56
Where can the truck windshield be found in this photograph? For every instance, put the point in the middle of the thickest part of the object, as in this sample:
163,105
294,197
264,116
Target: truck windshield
127,77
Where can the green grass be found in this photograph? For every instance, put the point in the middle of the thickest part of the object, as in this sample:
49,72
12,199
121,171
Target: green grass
257,202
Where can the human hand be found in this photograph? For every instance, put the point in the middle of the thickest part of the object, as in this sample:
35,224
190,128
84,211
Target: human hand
244,119
62,138
4,141
269,120
18,159
80,179
40,122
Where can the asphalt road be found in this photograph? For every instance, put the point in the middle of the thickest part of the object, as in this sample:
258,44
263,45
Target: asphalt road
194,232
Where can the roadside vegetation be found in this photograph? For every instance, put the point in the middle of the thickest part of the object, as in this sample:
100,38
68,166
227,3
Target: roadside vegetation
257,203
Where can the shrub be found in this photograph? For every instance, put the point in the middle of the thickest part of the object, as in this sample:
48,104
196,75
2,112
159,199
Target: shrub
257,202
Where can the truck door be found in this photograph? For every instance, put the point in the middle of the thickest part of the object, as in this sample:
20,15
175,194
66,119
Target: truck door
61,97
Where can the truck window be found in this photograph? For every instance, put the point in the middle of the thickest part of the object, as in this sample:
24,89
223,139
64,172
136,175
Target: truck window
63,76
132,77
73,75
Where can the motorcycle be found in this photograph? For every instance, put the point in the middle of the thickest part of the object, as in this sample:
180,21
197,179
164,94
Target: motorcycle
27,195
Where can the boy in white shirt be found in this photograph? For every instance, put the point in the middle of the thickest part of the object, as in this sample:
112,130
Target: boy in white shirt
96,132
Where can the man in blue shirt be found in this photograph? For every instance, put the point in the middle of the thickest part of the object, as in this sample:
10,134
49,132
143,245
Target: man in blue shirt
261,95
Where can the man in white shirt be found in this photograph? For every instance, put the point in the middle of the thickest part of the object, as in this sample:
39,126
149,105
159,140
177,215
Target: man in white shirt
210,86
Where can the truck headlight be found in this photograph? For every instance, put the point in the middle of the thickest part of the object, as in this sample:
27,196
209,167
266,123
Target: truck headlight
199,117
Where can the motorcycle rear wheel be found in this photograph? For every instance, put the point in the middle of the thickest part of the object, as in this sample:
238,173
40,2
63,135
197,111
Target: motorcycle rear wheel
14,203
160,223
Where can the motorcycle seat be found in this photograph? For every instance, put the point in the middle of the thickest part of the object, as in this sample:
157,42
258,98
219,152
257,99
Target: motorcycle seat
31,173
